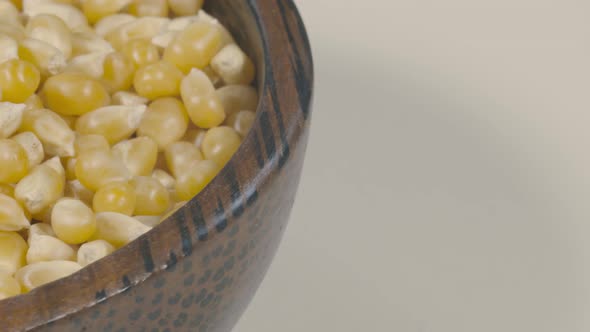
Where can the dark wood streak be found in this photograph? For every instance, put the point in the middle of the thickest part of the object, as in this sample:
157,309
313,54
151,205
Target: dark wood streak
185,237
220,218
237,207
198,220
146,254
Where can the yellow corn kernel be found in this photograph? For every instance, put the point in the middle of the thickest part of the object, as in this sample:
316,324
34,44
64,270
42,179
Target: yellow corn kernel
48,59
72,93
32,146
40,229
118,229
141,28
91,65
9,287
164,178
185,7
112,22
56,165
95,169
73,221
75,189
195,179
220,144
13,30
150,221
70,169
126,98
141,8
226,37
118,72
11,117
13,251
233,65
153,199
157,80
9,12
8,47
41,273
55,134
34,102
18,80
44,248
41,188
241,122
115,197
52,30
7,189
165,121
180,156
194,47
70,15
202,103
92,251
89,42
138,154
172,210
115,123
13,161
85,143
195,136
141,52
95,10
235,98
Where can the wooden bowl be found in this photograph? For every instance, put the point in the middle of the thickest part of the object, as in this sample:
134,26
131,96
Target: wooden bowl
198,270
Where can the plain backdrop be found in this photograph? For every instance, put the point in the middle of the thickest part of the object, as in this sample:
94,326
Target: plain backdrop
447,178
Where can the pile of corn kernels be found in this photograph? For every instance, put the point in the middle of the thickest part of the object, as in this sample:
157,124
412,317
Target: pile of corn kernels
113,113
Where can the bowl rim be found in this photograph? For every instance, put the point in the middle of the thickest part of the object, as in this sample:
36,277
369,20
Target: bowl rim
281,123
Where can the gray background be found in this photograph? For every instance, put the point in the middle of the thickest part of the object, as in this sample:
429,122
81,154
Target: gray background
447,179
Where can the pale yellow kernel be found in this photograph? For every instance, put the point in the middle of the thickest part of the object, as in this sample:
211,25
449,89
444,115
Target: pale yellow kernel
202,103
127,98
18,80
92,251
157,8
95,10
96,168
14,163
141,28
233,65
45,248
139,155
115,123
165,121
118,72
13,251
164,178
70,15
73,221
75,189
195,136
40,188
47,58
180,156
115,197
13,30
241,122
111,23
40,228
73,93
235,98
86,143
11,117
9,12
185,7
52,130
52,30
32,146
156,80
89,42
195,179
152,197
194,47
38,274
118,229
220,144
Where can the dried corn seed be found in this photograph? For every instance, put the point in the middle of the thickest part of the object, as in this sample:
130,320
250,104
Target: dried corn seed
13,30
40,188
40,229
95,169
90,64
52,30
141,52
165,121
8,12
220,144
164,178
118,72
185,7
115,123
44,248
52,131
158,8
13,161
194,47
70,15
180,156
112,22
41,273
34,102
150,221
233,65
241,122
73,221
89,42
85,143
139,155
118,229
115,197
48,59
141,28
195,136
56,165
8,48
18,80
13,251
226,37
152,198
92,251
9,286
202,103
44,215
126,98
156,80
73,93
195,179
32,146
235,98
75,189
95,10
11,117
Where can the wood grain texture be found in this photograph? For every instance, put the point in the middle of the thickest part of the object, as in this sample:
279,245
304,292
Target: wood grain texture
199,269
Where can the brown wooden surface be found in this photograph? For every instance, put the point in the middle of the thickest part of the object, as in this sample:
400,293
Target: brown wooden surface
198,270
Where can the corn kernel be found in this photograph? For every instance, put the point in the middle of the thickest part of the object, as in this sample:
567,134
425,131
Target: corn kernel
150,221
118,229
86,143
220,144
194,47
13,30
112,22
241,122
196,178
48,59
233,65
73,221
152,197
8,12
13,161
73,93
141,28
164,178
157,80
89,42
226,37
118,72
165,121
180,156
213,76
9,287
95,169
32,146
44,215
185,7
52,131
126,98
138,154
56,165
75,189
201,100
235,98
141,52
44,248
41,188
70,15
115,123
195,136
149,8
34,102
13,251
7,189
18,80
91,65
8,48
41,273
40,229
52,30
95,10
115,197
92,251
11,117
